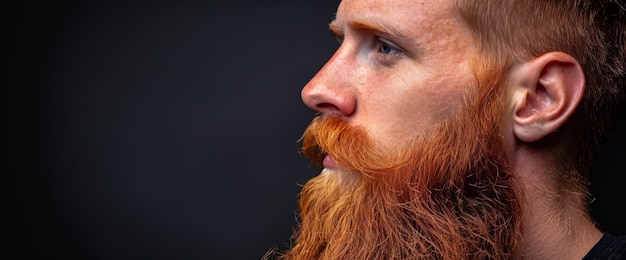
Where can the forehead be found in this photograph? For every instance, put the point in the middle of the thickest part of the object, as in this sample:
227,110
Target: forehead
403,9
422,20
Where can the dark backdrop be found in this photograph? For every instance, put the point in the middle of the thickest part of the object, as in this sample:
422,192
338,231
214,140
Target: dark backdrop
168,129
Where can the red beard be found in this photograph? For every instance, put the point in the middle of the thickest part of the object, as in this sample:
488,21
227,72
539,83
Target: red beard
448,194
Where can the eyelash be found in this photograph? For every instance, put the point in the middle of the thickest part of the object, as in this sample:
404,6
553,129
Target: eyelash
386,52
384,47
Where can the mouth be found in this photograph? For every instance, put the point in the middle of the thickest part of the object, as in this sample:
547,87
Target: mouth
329,162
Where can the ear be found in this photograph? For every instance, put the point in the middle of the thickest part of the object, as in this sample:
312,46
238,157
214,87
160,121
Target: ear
546,91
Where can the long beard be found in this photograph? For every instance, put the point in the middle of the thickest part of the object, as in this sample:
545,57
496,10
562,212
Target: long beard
448,194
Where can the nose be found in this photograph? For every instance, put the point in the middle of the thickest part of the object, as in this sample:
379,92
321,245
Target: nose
331,90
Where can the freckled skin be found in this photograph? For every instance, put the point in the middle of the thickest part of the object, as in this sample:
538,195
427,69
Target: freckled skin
395,97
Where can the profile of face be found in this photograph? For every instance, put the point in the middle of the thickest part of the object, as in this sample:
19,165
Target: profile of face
408,139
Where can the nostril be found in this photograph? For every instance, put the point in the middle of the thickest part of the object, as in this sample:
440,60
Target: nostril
344,108
327,107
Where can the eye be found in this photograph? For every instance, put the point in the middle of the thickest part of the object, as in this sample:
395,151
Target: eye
385,47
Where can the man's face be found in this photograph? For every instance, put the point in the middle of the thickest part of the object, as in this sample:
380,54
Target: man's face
414,163
402,68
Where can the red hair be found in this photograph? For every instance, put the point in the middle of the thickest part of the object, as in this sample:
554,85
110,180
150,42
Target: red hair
448,194
593,32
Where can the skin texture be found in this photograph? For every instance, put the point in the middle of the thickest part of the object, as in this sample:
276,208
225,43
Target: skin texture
394,85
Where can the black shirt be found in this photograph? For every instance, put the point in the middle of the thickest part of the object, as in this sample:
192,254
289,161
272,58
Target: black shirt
609,247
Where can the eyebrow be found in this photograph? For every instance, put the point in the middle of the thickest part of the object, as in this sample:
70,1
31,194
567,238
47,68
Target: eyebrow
370,27
334,28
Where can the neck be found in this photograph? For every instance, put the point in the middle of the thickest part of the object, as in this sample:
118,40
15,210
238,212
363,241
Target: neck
556,224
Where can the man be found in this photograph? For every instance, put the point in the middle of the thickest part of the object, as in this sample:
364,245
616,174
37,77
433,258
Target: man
460,129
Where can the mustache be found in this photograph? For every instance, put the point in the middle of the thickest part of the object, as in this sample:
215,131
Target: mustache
328,134
349,145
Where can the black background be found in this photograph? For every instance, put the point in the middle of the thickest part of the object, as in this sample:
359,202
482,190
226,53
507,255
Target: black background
168,129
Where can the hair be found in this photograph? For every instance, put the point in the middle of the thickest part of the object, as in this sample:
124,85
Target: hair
446,194
591,31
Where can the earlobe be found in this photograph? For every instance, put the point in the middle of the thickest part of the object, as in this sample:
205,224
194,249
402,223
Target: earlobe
546,92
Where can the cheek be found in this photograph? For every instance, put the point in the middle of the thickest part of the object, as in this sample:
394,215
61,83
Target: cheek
411,100
401,111
430,100
446,101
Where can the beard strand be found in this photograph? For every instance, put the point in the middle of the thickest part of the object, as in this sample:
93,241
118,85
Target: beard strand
448,195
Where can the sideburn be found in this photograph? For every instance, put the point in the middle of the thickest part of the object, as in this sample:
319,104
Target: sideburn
448,195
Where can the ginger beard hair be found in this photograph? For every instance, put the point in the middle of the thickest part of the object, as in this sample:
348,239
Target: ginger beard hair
446,194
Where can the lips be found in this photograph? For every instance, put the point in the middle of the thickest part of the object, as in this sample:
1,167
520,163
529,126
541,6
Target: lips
329,163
